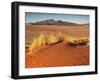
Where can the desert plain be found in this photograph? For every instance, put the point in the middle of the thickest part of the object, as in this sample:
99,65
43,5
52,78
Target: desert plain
56,45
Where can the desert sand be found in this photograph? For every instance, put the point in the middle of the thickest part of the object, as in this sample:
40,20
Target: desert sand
60,54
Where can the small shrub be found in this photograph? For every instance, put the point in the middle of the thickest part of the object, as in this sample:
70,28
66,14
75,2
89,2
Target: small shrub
82,42
72,44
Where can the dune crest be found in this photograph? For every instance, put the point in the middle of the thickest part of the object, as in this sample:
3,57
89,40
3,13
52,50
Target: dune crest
47,39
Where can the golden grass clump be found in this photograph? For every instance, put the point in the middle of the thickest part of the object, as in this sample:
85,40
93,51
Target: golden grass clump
41,40
53,38
68,38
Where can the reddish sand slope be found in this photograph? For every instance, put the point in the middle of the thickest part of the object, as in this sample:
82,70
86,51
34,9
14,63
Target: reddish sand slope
58,55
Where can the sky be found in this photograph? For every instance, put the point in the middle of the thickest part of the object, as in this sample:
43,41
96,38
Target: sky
74,18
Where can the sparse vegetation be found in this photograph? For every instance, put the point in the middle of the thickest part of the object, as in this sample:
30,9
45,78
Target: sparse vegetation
53,38
81,42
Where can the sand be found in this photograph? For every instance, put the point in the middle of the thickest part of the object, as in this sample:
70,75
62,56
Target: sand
56,55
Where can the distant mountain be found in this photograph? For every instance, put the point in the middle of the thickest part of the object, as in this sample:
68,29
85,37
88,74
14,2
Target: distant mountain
87,24
53,22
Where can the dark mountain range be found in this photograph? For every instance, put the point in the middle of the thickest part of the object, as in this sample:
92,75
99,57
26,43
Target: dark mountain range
53,22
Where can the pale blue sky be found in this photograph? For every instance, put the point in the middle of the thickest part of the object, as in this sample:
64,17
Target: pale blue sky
33,17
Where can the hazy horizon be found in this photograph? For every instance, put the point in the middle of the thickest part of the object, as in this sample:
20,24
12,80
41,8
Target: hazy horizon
35,17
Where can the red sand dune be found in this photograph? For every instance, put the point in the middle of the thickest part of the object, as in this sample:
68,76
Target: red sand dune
58,55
